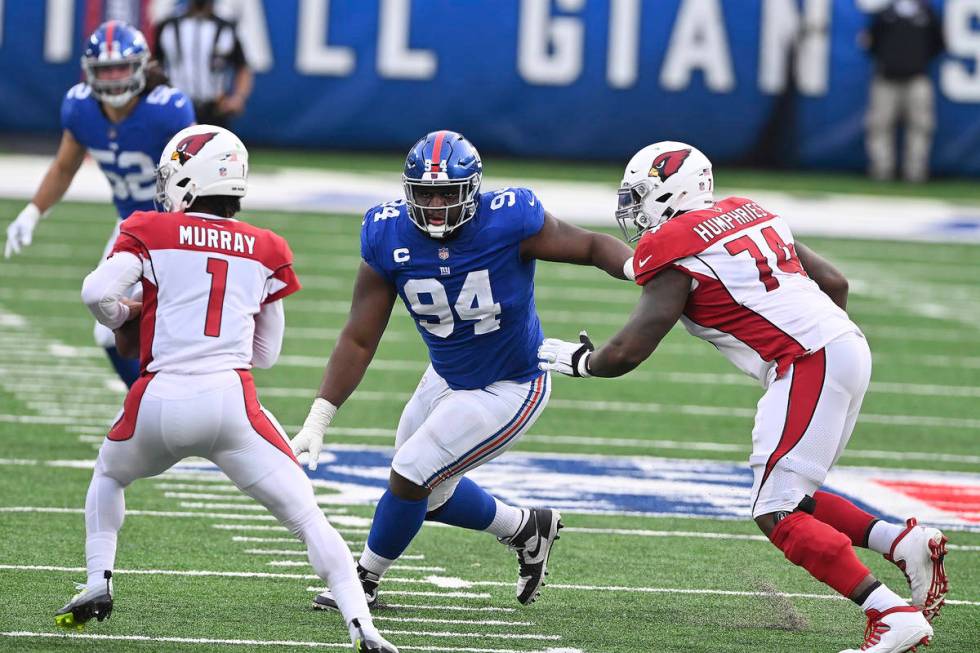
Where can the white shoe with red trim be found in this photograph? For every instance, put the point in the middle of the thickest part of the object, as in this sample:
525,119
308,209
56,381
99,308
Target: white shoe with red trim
896,630
919,552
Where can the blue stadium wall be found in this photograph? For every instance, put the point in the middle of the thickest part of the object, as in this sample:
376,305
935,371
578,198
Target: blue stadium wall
556,78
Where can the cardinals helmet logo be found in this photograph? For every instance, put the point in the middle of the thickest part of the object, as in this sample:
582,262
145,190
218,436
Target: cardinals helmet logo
668,163
190,146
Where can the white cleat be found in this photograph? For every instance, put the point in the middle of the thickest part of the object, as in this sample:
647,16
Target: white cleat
896,630
919,552
367,639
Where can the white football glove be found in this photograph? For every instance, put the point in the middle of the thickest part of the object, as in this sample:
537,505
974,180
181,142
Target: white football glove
20,232
310,437
568,358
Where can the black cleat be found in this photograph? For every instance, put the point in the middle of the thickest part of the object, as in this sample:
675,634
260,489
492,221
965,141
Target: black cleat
85,606
369,582
533,543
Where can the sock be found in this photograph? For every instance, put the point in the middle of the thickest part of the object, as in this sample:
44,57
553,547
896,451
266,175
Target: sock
820,549
396,522
882,599
105,508
844,516
332,561
882,535
128,369
469,507
507,521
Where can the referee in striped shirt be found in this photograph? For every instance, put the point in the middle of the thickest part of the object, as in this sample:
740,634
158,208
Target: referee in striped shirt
203,57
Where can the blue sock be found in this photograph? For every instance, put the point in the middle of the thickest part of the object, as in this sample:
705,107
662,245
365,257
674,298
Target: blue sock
128,369
469,507
396,521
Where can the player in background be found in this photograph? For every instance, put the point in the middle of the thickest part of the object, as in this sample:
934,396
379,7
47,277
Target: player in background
211,309
463,263
122,120
732,273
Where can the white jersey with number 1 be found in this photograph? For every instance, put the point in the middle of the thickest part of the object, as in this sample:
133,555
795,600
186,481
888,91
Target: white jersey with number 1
204,281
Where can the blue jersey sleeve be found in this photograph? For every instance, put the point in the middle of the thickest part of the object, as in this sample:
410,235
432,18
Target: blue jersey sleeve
516,213
183,111
532,215
371,232
70,107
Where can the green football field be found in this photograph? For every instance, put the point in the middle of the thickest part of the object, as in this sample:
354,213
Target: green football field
202,568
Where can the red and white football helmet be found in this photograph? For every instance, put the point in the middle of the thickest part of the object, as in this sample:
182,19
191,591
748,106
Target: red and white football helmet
661,180
200,160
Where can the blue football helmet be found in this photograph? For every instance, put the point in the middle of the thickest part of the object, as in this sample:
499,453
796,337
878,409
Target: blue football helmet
442,179
114,62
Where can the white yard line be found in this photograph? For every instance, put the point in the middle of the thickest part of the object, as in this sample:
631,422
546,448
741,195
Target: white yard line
240,642
453,582
581,319
707,535
429,606
470,622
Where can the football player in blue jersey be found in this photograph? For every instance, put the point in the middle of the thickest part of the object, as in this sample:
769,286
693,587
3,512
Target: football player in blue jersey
123,122
463,263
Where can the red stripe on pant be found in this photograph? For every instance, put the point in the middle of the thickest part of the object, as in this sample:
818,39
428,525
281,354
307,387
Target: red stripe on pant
125,426
259,420
804,395
517,426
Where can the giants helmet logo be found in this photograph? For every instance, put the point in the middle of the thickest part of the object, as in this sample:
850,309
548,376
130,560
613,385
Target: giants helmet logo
668,163
190,146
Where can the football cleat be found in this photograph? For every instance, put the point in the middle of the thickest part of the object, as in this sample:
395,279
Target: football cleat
371,641
533,543
369,582
919,552
896,630
86,605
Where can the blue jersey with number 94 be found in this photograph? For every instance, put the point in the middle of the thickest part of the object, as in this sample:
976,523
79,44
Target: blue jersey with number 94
127,152
472,296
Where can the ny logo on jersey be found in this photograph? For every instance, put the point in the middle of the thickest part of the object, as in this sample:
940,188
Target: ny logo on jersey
668,163
190,146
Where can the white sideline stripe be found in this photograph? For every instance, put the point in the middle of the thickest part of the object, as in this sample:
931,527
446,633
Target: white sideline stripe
239,642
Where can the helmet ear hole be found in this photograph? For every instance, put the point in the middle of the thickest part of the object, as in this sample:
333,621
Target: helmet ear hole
664,197
183,182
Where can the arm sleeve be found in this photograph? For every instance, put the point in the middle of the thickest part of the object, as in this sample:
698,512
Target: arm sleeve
270,324
105,285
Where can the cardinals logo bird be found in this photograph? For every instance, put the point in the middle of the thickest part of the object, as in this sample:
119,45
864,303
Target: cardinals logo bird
668,163
190,146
